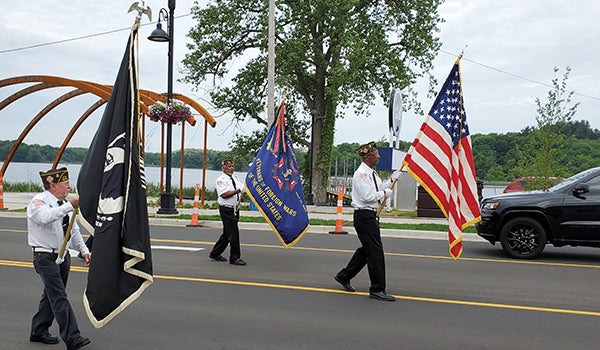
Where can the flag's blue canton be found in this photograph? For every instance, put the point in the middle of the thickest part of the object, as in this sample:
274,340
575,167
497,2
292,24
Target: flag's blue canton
448,108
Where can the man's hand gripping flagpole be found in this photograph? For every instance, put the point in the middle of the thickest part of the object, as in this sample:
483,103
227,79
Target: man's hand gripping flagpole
391,188
239,202
63,247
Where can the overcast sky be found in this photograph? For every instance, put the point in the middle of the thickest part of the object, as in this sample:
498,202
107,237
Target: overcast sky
511,49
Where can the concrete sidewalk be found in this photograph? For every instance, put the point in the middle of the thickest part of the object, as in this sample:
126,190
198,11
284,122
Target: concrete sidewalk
20,200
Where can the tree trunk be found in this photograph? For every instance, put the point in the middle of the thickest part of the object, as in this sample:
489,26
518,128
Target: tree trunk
324,127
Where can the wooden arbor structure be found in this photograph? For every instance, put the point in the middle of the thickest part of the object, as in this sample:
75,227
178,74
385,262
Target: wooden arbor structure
147,98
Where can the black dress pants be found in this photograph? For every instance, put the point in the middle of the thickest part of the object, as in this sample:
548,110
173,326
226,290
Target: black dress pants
54,303
370,253
230,236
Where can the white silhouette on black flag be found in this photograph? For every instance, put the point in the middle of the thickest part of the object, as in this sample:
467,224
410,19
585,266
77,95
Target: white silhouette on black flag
112,197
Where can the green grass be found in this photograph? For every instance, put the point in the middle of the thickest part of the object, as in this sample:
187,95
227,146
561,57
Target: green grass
22,187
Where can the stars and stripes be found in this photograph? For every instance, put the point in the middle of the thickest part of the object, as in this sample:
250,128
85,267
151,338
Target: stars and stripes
441,160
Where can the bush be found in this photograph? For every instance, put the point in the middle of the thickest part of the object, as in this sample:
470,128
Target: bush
22,187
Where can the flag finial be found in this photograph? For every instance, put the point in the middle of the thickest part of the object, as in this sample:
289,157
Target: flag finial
461,53
141,10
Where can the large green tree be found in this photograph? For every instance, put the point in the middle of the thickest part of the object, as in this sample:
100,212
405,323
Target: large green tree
545,155
330,54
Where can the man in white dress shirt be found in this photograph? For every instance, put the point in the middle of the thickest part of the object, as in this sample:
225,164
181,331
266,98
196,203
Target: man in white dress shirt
229,192
47,221
367,194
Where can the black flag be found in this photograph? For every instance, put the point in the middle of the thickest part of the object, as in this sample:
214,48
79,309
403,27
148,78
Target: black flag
112,198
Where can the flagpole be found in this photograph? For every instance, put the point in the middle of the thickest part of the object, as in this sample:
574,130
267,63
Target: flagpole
382,204
63,247
461,54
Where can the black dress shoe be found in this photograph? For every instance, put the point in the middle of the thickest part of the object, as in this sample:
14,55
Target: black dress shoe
238,262
79,343
345,284
383,296
218,258
44,339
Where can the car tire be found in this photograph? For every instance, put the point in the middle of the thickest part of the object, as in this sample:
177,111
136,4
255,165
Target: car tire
523,238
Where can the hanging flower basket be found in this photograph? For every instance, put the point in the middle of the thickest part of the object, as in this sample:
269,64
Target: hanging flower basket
172,113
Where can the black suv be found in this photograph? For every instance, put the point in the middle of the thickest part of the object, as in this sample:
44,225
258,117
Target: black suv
565,214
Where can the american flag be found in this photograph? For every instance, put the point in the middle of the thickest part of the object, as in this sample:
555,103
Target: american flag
441,160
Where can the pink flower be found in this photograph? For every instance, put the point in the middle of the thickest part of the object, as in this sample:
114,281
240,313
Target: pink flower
172,113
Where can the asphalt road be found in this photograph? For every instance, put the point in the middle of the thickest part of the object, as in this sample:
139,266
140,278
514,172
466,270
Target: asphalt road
287,298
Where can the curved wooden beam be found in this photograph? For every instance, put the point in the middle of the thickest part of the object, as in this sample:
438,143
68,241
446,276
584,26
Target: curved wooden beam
147,98
195,105
21,93
34,121
75,127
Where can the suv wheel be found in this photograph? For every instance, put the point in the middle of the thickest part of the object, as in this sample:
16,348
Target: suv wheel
523,238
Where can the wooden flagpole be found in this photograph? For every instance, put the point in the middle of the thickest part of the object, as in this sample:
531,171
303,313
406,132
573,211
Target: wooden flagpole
391,188
63,248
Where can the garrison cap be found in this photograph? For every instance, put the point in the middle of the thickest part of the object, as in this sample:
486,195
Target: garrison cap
55,175
366,148
227,161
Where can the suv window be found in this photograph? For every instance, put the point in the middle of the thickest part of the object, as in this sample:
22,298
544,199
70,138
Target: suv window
594,185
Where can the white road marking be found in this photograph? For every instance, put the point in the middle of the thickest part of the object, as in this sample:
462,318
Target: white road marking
170,247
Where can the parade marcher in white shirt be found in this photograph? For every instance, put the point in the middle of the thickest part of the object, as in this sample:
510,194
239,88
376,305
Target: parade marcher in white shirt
47,221
229,189
367,193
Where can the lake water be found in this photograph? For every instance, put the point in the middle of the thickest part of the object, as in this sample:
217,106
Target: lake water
29,172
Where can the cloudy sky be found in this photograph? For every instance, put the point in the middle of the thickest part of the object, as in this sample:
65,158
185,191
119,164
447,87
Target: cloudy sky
511,49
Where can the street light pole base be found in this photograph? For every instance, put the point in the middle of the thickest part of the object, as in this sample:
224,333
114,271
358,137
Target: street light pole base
167,204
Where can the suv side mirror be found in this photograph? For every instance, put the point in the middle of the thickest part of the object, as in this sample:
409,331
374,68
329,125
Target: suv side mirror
580,190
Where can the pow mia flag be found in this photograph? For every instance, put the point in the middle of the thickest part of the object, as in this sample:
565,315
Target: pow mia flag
112,197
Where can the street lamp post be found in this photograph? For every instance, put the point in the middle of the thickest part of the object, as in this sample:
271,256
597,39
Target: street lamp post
167,199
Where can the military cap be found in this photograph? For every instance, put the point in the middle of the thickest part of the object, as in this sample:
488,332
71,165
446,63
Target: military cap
55,175
366,148
227,161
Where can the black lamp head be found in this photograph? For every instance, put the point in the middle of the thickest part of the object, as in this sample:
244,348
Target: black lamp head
159,34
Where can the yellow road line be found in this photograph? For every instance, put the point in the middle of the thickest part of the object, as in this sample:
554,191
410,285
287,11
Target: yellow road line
327,290
406,255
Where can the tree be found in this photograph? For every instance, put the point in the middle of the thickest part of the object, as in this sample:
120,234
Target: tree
329,54
545,154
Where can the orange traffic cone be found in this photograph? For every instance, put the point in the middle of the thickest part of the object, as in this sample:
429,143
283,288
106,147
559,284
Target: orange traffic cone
338,220
195,212
1,194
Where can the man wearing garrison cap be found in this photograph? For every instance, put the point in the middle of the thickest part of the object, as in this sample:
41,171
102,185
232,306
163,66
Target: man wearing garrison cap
367,194
47,222
229,189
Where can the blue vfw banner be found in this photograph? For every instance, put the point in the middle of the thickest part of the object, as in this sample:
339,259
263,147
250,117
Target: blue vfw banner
274,185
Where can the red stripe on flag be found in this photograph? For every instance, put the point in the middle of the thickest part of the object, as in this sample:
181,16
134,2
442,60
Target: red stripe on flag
445,170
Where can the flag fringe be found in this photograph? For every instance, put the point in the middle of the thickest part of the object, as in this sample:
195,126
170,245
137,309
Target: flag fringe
285,245
124,304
